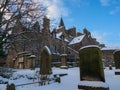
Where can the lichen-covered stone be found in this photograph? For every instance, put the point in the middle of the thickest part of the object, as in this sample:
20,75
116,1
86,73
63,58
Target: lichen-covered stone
91,66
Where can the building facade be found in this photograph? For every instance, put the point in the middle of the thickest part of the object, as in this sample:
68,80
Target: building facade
107,56
25,45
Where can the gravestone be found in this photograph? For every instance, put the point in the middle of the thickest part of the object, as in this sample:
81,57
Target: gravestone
45,63
116,55
91,69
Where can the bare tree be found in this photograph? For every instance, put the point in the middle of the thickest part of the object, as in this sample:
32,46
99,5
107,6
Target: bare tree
25,11
19,14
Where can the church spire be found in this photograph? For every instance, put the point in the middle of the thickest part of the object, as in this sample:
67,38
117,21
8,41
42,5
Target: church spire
61,22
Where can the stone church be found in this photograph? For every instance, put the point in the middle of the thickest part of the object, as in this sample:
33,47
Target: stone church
25,45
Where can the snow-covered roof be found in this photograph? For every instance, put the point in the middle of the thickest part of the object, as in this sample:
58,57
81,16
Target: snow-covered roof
110,48
63,55
116,51
58,36
10,32
77,39
32,56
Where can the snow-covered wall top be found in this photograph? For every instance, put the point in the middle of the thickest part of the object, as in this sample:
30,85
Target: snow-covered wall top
89,46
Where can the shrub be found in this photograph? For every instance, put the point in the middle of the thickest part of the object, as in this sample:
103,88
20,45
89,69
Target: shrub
110,67
57,79
10,87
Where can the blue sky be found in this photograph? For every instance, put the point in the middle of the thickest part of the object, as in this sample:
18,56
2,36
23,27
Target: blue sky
100,17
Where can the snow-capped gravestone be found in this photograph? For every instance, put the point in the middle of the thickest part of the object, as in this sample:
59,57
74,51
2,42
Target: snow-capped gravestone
117,62
91,69
45,63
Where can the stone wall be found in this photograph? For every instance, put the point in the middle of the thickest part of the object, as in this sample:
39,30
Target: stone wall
72,31
107,56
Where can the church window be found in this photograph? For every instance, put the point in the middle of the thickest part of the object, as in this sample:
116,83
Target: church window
54,48
35,45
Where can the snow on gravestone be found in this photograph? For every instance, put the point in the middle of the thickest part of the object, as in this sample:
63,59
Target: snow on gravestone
91,69
116,55
45,63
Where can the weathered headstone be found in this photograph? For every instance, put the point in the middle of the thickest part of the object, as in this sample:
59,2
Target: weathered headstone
116,55
45,63
91,69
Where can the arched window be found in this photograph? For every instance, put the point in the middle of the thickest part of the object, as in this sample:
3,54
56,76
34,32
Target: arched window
35,45
54,48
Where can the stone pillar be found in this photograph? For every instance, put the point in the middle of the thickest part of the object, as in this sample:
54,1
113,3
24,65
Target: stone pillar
21,62
32,61
63,61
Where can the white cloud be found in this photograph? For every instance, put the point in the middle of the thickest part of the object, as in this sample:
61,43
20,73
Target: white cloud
114,11
79,3
105,2
55,8
115,4
99,36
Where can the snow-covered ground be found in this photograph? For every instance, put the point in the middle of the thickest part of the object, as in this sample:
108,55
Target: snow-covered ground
68,82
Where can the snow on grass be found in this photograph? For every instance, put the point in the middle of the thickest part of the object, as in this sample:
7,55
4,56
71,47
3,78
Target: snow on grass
68,82
112,80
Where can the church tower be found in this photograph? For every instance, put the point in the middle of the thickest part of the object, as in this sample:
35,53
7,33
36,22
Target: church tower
46,32
61,27
61,24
